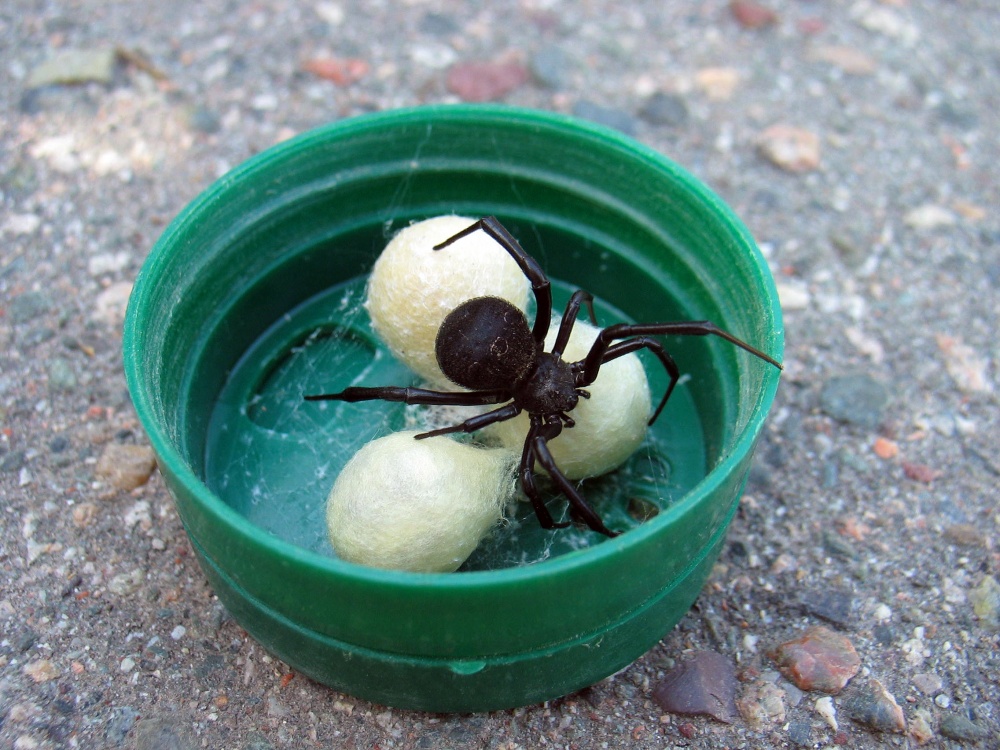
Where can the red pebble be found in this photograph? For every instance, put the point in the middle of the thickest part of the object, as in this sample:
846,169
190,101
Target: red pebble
484,81
341,71
752,15
919,472
820,660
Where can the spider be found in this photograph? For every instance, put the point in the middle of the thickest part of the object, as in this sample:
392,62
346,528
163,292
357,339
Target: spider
486,346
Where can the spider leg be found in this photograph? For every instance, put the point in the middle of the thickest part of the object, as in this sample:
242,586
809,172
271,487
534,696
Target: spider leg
477,422
631,345
540,451
684,328
415,396
527,473
580,297
540,285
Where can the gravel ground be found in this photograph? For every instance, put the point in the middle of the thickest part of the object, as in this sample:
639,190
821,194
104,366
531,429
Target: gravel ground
854,138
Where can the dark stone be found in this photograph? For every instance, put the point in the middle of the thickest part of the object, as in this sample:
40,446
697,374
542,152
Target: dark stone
855,399
28,306
837,546
438,24
665,109
158,733
550,67
875,707
800,733
950,114
834,606
58,444
13,461
705,685
961,728
204,120
612,118
119,724
884,634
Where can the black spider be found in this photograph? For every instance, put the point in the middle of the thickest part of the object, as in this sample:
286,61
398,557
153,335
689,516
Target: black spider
485,345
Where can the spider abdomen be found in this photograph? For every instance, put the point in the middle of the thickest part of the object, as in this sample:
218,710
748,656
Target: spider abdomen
485,344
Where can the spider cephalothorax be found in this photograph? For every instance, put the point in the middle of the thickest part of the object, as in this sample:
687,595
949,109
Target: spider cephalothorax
487,346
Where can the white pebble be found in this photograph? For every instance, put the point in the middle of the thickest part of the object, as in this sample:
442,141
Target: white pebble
127,665
825,708
178,632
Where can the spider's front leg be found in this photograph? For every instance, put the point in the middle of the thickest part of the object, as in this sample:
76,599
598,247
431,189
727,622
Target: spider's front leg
406,395
604,350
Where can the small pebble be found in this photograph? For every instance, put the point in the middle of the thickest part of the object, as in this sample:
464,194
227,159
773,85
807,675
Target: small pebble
485,80
550,67
819,660
920,472
204,120
855,399
111,303
104,263
119,724
163,733
439,24
967,367
966,535
705,685
29,306
790,148
21,224
833,605
800,733
752,15
961,728
74,66
882,613
985,600
665,109
607,116
62,375
825,708
718,84
762,704
928,217
41,670
126,466
178,632
875,707
850,60
920,726
341,71
793,295
126,584
885,448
